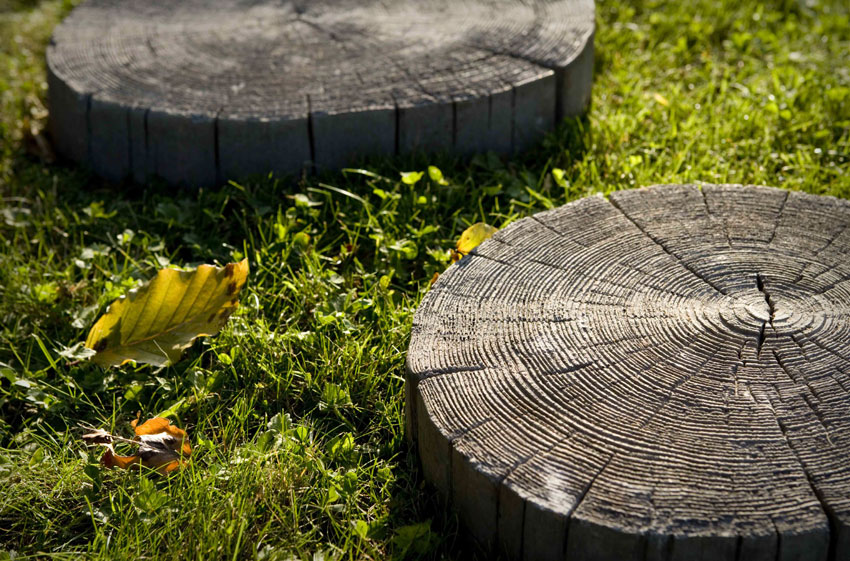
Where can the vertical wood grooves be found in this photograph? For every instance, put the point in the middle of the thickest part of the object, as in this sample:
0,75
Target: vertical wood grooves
454,124
662,396
738,547
88,129
490,112
147,136
130,164
152,163
560,93
311,139
513,120
217,149
521,533
397,128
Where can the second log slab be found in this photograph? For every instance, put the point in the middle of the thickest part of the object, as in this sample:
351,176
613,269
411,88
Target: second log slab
660,375
197,91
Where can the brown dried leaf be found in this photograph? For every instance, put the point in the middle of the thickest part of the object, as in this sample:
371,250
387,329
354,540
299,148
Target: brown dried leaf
99,436
161,446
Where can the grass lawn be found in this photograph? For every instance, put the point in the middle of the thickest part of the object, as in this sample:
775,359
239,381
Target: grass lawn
295,411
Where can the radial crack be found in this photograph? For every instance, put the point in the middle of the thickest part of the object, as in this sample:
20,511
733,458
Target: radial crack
817,253
535,454
832,285
586,490
675,387
794,380
434,372
474,253
666,250
627,266
535,218
817,343
760,284
458,435
546,65
778,218
742,363
713,219
828,511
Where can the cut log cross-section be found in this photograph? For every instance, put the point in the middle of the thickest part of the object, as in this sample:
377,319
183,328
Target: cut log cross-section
201,91
662,375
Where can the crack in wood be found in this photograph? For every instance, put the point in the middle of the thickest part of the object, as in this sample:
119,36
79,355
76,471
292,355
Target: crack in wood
714,219
666,250
832,285
534,455
88,98
627,266
821,249
811,390
552,229
459,434
760,285
434,372
128,125
584,492
477,254
778,218
742,363
814,341
829,513
675,387
545,65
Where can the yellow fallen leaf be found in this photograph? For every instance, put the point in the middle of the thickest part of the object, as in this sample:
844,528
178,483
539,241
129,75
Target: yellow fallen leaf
156,322
472,238
661,99
161,446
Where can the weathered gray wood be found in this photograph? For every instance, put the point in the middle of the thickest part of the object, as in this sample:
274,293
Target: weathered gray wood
483,123
109,129
247,147
141,166
425,126
663,375
182,147
342,138
574,82
69,118
535,103
199,92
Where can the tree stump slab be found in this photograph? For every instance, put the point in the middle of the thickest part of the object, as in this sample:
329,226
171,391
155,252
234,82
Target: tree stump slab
662,375
200,91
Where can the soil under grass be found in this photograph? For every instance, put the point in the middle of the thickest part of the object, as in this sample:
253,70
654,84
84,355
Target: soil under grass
296,409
